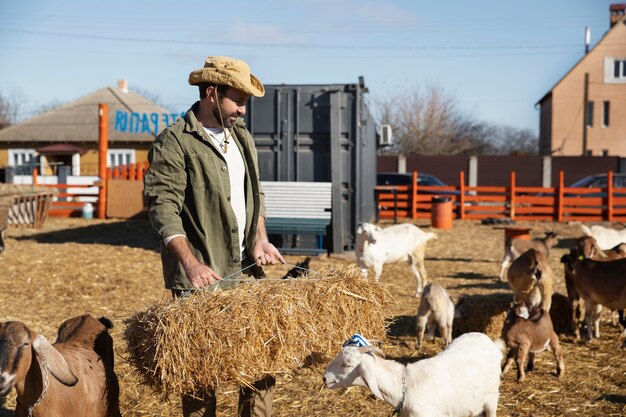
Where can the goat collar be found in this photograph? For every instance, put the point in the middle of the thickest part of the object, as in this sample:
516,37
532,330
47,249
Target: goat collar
398,409
43,394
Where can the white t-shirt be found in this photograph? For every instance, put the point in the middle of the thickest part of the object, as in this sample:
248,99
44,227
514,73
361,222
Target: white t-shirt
237,175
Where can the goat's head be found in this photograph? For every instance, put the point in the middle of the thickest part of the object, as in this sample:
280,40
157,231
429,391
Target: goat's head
353,365
551,239
19,347
520,309
587,247
368,231
15,354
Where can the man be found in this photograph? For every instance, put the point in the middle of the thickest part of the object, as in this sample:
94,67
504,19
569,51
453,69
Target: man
207,205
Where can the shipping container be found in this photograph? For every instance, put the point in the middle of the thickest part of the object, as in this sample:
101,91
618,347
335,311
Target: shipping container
320,133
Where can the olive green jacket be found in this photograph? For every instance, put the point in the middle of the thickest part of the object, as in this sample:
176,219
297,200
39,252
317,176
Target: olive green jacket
187,188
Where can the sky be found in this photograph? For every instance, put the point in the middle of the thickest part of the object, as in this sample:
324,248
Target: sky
496,58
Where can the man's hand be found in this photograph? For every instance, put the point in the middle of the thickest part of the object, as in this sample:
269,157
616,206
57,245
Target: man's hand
198,274
265,254
201,275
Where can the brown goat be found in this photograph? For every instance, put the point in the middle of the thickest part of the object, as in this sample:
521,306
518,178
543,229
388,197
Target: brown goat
588,248
73,377
514,248
527,334
530,278
599,283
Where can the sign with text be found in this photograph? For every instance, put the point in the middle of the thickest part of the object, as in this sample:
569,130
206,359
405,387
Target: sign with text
144,122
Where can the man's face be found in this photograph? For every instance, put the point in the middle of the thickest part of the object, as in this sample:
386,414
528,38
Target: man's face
232,105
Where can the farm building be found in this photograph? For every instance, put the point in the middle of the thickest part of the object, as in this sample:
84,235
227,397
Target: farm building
68,135
585,113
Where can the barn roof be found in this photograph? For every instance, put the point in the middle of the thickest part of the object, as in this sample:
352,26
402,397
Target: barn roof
77,121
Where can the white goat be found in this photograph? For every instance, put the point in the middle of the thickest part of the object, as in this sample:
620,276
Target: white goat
436,309
606,237
462,380
73,377
401,242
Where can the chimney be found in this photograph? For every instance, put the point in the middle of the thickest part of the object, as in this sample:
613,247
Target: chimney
122,85
617,12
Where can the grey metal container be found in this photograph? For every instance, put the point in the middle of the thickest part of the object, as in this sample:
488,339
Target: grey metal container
320,133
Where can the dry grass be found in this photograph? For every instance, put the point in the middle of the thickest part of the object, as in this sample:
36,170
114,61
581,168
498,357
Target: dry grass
113,268
213,339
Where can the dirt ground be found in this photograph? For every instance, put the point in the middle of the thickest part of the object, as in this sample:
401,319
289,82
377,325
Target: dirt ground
112,268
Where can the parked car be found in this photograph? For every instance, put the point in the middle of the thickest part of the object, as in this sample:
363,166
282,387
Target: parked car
395,178
599,180
594,181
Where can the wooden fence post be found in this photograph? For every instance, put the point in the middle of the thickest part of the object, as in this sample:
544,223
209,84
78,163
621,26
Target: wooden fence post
609,196
462,195
559,202
414,196
512,197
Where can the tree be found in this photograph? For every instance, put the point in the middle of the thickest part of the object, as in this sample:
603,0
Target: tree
9,109
431,123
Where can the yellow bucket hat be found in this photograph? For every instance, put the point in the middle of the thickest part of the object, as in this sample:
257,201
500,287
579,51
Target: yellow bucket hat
228,71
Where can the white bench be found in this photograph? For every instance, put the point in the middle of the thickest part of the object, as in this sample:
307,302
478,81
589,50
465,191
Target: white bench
294,208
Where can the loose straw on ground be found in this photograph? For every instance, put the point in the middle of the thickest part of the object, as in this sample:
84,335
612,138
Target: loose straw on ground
268,327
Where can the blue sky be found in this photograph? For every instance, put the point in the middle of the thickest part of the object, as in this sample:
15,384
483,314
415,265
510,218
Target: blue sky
496,57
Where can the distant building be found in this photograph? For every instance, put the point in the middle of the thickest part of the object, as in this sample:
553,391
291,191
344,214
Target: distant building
600,76
68,134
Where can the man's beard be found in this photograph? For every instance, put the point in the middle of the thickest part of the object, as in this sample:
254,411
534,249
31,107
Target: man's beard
222,118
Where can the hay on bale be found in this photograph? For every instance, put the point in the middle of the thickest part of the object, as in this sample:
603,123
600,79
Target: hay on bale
268,327
485,313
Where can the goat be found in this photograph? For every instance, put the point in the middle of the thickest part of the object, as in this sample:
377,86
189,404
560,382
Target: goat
588,248
83,381
526,335
436,308
400,242
462,380
300,269
606,237
514,248
599,283
530,278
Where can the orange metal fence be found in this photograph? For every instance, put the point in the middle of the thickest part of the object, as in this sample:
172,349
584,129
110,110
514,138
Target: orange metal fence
515,202
128,172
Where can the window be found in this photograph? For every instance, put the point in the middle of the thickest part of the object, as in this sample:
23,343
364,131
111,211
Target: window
23,160
118,157
589,114
615,70
619,68
606,110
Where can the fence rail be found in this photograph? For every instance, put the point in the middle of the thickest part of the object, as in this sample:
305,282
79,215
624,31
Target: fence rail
559,203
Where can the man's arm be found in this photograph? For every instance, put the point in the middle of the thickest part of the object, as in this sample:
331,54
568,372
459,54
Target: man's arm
199,274
264,252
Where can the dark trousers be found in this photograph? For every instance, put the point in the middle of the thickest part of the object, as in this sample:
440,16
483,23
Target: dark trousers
255,402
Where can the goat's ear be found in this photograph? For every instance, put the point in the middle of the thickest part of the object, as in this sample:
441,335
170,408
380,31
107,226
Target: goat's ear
369,377
52,359
370,349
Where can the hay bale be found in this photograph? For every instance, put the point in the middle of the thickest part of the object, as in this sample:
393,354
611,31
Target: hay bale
485,313
268,327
